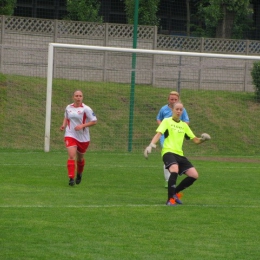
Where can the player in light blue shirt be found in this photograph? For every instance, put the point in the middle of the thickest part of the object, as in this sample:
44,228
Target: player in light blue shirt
165,112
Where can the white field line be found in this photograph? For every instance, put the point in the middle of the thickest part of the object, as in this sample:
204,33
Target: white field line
126,154
121,166
127,205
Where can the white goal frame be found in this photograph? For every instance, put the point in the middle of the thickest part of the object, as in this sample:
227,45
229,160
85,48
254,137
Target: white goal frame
113,49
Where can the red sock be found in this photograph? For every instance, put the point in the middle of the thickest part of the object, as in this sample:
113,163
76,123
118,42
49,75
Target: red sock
71,168
80,166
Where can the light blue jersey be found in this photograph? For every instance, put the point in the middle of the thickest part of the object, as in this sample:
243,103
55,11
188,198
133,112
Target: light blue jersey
166,112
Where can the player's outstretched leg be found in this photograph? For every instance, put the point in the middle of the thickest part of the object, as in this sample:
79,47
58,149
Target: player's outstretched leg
177,197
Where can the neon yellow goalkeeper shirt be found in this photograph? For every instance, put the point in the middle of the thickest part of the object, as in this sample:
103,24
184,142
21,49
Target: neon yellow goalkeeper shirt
174,133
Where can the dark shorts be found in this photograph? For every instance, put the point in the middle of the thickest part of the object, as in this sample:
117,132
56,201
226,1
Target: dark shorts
173,158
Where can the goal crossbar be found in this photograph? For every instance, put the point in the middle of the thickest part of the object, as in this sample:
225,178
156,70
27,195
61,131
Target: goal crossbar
113,49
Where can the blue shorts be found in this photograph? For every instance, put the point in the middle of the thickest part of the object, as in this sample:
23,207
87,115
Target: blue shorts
173,158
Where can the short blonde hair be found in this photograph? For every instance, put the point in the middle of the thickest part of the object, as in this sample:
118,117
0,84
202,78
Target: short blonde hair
174,93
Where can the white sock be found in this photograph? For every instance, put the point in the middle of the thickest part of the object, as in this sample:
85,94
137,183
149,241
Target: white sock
166,173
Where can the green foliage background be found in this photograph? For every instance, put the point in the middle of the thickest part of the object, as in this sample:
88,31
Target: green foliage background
7,7
83,10
147,12
210,13
256,79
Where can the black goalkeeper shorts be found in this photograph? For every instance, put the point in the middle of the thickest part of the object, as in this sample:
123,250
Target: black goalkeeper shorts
173,158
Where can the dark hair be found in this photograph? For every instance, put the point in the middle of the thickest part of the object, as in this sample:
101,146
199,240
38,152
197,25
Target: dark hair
76,91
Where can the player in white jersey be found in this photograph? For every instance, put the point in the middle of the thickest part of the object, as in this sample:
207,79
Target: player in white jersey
77,120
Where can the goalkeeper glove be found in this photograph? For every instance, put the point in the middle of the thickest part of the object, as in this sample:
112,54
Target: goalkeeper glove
205,137
148,149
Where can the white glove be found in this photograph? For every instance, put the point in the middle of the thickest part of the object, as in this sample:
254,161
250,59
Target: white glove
205,137
148,149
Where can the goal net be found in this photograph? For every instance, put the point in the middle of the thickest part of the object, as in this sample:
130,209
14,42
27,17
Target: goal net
126,88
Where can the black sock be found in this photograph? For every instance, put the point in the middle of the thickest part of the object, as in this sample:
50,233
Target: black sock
187,182
172,184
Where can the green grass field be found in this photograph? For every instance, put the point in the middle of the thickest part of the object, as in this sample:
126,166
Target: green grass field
119,212
231,118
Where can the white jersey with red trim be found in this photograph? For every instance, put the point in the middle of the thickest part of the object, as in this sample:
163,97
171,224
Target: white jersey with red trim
77,116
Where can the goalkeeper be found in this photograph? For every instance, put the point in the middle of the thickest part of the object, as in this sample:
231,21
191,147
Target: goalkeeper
174,160
166,111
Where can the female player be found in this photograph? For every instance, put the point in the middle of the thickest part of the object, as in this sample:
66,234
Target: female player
174,131
77,120
166,111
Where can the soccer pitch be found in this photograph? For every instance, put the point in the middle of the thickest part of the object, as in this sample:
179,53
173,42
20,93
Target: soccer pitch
119,212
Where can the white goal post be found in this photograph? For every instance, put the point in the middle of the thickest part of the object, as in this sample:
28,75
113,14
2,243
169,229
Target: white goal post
50,69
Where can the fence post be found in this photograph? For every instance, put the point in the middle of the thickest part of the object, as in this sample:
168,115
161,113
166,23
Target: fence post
105,53
179,74
55,37
246,66
2,43
201,61
155,35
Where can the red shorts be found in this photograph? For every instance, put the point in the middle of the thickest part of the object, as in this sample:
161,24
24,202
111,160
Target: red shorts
81,146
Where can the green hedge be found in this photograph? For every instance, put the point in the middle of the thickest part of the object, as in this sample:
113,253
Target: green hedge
256,79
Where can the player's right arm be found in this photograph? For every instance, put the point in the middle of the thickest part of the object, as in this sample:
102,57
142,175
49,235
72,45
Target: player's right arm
63,126
148,149
156,138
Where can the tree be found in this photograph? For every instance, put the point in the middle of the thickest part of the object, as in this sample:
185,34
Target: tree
146,13
83,10
188,17
7,7
224,18
256,15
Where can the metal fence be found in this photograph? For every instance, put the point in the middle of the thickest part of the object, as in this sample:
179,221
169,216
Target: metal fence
24,45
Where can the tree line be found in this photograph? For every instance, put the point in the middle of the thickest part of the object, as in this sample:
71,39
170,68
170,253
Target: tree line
214,18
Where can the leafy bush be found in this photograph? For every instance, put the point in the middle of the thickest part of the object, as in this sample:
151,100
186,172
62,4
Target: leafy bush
83,10
255,73
7,7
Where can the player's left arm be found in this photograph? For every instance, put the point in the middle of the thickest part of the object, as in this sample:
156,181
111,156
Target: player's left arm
87,124
90,123
92,120
197,140
204,137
